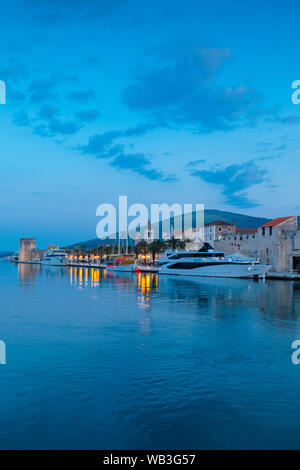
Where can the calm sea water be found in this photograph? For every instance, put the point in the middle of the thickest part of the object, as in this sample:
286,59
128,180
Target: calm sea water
98,360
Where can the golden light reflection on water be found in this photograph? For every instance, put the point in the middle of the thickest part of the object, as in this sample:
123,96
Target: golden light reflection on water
80,277
147,283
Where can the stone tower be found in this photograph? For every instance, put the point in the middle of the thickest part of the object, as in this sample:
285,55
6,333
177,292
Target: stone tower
27,249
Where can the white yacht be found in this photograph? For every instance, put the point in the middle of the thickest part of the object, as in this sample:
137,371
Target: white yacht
55,258
210,264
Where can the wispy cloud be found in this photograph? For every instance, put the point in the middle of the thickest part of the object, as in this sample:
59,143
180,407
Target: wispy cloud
181,90
42,90
82,96
195,163
141,164
235,179
103,146
291,120
88,115
50,12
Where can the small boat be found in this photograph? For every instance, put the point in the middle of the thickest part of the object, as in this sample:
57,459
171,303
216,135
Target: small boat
121,262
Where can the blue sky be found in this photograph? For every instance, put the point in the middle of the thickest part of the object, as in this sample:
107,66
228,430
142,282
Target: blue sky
163,101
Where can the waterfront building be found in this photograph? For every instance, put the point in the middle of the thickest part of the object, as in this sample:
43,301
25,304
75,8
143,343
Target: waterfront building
27,249
244,241
279,245
216,230
52,247
276,243
192,236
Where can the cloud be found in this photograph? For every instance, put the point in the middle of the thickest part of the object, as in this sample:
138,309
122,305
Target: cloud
42,130
92,61
41,194
180,90
235,179
45,124
291,120
13,71
42,90
15,95
87,116
56,126
82,96
50,12
48,112
268,157
113,151
187,68
44,119
281,147
140,129
140,163
103,146
99,143
21,118
195,163
50,17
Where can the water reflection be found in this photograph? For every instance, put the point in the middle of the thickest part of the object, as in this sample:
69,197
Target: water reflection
276,300
27,273
148,352
82,277
147,284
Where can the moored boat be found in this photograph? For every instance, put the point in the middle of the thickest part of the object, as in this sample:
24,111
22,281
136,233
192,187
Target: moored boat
55,258
121,262
211,264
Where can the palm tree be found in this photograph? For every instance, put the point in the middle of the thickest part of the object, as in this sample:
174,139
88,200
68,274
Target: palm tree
175,243
108,249
154,248
77,252
89,252
100,251
141,247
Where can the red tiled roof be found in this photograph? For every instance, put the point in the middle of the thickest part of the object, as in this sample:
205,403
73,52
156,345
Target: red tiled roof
219,222
246,230
278,221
